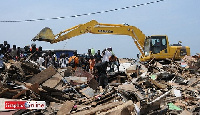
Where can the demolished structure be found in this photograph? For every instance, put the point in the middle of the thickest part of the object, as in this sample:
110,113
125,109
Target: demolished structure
151,88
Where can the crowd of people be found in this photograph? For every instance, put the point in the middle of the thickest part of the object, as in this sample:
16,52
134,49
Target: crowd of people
16,53
94,62
86,61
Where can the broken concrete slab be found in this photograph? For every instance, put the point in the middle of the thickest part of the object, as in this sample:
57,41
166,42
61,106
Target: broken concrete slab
76,80
88,92
68,72
185,112
53,81
42,76
127,87
82,73
93,84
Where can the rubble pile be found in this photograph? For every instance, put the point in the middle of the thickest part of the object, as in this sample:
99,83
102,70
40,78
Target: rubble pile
152,88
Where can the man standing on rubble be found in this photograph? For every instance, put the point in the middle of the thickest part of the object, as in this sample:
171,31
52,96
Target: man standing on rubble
5,44
113,60
2,66
54,60
87,57
33,48
92,51
41,60
107,53
7,53
34,52
13,52
98,56
19,53
74,61
92,63
64,60
101,72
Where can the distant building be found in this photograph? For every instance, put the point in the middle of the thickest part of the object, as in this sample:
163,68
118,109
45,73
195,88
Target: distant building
59,52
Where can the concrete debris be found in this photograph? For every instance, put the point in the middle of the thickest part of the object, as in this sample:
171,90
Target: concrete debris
138,88
42,76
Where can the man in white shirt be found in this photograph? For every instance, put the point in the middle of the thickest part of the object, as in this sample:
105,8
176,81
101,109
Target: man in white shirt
41,60
107,53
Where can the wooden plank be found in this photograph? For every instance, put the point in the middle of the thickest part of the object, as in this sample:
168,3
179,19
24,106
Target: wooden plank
66,108
33,87
52,82
99,108
2,91
19,94
42,76
124,109
159,85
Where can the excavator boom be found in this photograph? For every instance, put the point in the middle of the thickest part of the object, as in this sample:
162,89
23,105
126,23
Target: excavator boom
93,27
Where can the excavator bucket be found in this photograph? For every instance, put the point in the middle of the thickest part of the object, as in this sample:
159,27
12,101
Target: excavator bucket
46,34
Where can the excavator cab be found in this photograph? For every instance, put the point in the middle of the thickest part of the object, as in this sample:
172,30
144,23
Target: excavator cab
155,44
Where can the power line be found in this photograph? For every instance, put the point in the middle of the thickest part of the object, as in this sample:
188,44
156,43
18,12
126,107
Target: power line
87,14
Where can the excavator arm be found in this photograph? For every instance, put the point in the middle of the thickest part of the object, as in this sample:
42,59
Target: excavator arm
93,27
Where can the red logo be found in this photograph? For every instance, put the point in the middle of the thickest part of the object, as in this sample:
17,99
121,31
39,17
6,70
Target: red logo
15,104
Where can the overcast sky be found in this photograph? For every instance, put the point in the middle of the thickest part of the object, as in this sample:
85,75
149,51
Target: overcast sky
179,19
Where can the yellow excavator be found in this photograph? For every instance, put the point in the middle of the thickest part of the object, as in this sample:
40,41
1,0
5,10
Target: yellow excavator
151,47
